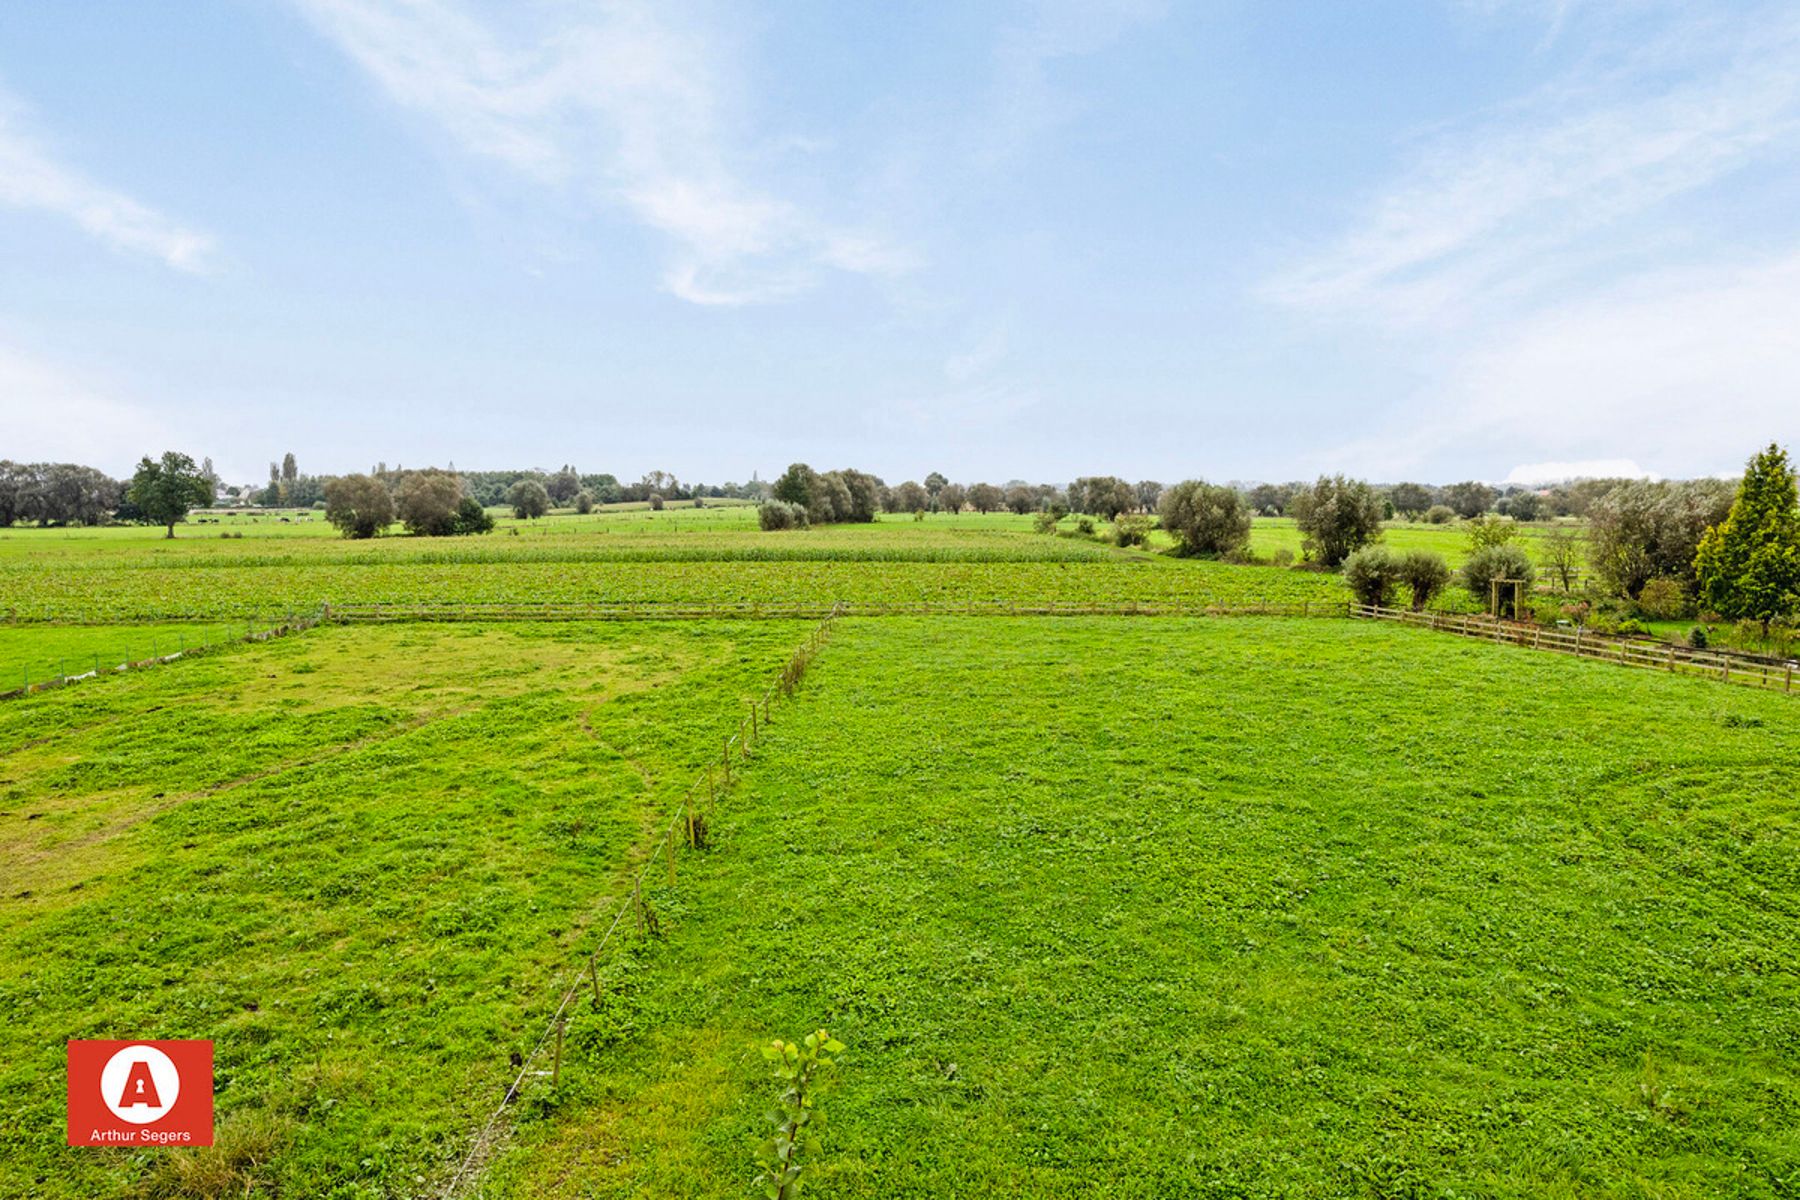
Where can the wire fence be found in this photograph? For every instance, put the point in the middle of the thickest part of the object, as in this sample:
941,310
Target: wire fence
165,647
1722,665
687,826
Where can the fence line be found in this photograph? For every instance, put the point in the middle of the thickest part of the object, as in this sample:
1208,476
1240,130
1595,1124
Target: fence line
291,623
1721,665
686,823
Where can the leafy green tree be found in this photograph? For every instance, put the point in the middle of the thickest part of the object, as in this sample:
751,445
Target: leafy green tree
529,499
1641,529
1411,499
985,497
1749,564
1469,498
471,517
360,506
427,500
563,485
584,502
1205,518
1337,517
166,490
911,497
796,485
951,497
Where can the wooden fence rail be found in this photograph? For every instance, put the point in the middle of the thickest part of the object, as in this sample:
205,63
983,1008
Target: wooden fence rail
1723,666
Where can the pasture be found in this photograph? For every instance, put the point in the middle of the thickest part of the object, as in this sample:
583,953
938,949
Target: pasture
1102,905
1226,908
351,857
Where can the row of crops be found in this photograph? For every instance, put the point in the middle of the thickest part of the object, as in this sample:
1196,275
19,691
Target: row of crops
125,594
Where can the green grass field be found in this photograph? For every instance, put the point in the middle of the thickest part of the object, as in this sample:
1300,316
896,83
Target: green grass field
1103,905
353,857
1239,908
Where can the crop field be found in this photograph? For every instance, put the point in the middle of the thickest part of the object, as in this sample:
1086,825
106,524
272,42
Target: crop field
1229,908
352,857
145,580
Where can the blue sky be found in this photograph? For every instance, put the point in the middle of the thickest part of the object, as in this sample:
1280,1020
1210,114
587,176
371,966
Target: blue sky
1426,240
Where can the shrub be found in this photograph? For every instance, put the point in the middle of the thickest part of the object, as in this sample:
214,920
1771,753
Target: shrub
584,502
1337,516
1282,558
1425,574
1372,574
1497,562
1044,522
1697,637
1662,599
1084,526
1440,514
656,502
1204,518
1632,625
780,514
1131,529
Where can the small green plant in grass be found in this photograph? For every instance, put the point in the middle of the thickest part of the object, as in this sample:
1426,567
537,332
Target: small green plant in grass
796,1120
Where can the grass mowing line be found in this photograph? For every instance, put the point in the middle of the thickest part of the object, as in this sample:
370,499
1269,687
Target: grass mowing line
785,684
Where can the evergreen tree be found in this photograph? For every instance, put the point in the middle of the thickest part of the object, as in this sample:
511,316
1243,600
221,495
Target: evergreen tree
1749,564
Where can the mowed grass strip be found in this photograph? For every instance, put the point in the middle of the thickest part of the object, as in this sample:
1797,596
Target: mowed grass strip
354,858
1229,908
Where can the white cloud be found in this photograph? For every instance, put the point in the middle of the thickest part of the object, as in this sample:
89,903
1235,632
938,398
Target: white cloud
53,415
621,106
32,178
1584,468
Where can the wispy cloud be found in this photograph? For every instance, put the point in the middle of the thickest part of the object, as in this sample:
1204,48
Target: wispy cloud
1498,208
620,104
31,177
1558,271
